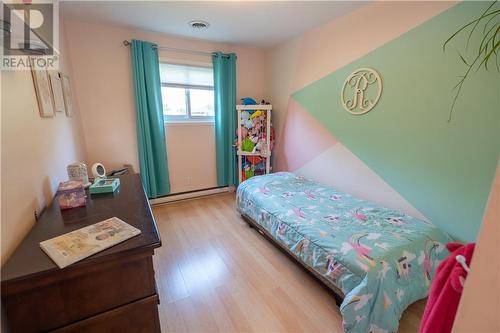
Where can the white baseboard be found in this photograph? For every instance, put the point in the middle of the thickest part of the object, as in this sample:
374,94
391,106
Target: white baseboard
190,195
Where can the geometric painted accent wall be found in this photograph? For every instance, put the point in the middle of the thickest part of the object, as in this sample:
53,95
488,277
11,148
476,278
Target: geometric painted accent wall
442,170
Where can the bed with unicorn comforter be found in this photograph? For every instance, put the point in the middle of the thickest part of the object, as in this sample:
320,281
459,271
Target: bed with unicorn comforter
378,260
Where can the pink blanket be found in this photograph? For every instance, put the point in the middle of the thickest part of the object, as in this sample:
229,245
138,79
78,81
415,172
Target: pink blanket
446,291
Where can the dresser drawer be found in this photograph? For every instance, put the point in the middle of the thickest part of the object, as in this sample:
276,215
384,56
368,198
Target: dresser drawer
66,296
137,317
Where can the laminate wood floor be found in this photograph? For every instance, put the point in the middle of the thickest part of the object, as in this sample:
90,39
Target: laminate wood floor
216,274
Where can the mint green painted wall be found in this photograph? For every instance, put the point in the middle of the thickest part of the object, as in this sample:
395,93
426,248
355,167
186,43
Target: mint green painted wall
444,169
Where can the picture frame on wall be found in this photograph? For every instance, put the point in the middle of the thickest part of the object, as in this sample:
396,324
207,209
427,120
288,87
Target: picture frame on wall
57,91
43,92
66,88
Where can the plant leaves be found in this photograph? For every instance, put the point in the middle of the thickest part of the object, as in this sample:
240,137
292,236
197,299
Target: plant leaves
495,14
487,39
461,57
477,22
465,26
487,57
488,48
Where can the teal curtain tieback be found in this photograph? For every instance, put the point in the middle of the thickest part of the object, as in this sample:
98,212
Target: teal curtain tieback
225,117
149,114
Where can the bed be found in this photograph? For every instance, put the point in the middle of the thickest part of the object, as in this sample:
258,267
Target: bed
376,260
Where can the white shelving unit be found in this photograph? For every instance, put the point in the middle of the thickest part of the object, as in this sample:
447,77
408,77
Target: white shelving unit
265,108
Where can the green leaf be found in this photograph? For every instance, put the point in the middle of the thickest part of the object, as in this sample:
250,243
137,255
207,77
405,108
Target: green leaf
487,39
487,57
461,57
462,28
477,22
495,14
488,47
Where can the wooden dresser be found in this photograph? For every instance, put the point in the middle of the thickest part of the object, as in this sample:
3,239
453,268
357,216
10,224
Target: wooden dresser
111,291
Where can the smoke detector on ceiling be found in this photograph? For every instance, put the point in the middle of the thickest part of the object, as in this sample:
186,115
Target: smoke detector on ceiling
199,24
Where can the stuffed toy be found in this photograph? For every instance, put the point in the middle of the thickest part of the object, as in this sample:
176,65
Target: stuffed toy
264,150
258,122
248,101
248,172
254,160
261,147
257,113
246,120
243,131
247,145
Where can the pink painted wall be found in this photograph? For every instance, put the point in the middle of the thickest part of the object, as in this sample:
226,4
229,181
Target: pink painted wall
302,135
35,152
102,69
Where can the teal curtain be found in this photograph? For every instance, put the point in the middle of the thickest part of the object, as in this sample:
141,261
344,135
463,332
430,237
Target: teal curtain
149,114
225,117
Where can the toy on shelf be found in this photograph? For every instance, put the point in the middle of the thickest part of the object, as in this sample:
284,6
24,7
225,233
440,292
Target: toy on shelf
248,101
255,138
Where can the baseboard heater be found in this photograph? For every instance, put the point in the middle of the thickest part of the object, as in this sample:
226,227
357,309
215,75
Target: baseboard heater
190,195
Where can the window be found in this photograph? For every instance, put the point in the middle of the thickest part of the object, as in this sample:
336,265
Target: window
187,93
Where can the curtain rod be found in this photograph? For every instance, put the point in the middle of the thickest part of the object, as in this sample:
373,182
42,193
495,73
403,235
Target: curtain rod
173,49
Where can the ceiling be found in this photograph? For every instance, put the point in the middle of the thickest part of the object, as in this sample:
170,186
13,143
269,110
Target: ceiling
251,23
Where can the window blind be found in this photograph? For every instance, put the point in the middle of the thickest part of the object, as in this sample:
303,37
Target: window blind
186,75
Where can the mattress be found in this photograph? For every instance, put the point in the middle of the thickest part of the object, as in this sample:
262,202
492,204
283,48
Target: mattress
381,260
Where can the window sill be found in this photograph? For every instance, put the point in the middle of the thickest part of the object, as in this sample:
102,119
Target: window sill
190,123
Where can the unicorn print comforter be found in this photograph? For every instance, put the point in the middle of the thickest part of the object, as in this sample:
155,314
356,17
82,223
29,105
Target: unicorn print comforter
382,260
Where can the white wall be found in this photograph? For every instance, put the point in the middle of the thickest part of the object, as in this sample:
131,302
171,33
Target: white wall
102,68
35,152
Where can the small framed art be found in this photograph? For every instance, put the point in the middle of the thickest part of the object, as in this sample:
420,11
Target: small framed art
43,92
67,95
57,91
